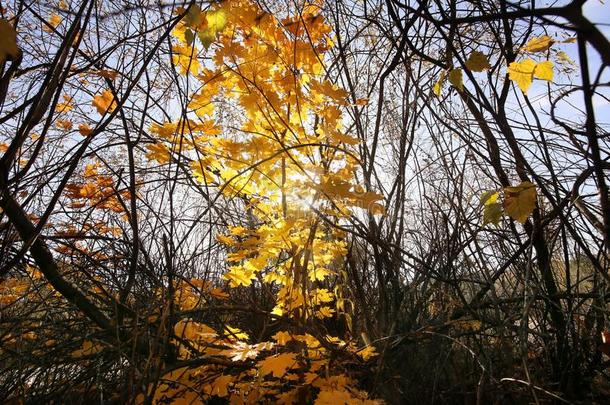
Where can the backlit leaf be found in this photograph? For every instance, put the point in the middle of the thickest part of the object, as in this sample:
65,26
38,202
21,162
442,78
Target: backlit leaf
104,102
54,20
544,71
522,73
438,86
492,209
539,44
520,201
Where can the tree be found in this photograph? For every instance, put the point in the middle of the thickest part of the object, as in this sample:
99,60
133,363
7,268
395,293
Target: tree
302,202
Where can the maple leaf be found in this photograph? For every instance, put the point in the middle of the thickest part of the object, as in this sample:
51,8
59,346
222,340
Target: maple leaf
367,200
65,106
159,152
539,44
477,62
108,74
241,351
522,73
239,276
282,338
367,353
339,137
318,274
185,57
8,41
85,129
54,20
202,104
278,365
216,21
220,385
334,397
88,348
64,124
104,102
563,58
520,201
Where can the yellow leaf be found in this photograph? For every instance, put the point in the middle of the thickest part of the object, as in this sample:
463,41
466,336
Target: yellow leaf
522,73
368,201
367,353
439,85
278,365
216,20
193,17
282,338
455,78
64,124
563,58
238,276
225,240
492,213
90,170
218,294
318,273
185,57
544,71
220,386
241,351
202,105
159,152
65,106
104,102
54,20
335,397
325,312
539,44
477,62
88,348
492,209
236,333
339,137
8,41
520,201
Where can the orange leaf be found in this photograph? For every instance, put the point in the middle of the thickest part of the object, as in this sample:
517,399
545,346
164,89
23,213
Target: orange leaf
104,102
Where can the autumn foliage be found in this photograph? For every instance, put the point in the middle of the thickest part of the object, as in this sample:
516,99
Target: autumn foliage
302,202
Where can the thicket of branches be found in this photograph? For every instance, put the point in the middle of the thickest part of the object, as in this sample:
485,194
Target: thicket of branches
99,237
